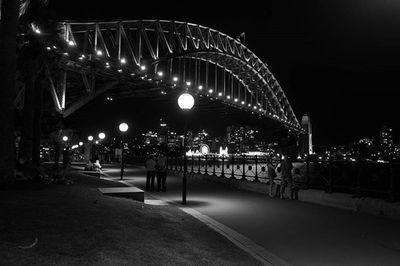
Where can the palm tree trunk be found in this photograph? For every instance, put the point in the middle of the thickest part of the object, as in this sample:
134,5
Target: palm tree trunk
28,121
8,31
37,123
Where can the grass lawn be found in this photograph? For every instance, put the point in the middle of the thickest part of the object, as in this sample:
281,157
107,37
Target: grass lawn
77,225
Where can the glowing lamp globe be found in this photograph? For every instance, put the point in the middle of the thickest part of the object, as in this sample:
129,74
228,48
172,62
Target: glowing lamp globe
65,138
123,127
102,135
186,101
80,143
90,138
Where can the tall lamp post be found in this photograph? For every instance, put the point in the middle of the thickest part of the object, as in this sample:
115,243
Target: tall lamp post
185,102
101,136
123,127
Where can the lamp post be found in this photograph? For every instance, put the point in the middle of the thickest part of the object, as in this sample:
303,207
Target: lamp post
123,127
90,146
185,102
100,149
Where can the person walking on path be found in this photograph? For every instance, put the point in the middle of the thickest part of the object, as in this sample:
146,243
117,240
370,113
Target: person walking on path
286,176
161,172
271,176
151,173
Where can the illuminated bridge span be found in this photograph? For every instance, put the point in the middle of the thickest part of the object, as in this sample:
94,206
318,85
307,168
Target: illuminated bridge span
164,57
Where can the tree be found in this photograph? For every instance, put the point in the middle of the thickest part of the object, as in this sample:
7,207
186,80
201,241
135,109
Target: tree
8,31
9,14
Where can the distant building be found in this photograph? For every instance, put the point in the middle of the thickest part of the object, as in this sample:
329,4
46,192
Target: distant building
305,140
240,138
386,137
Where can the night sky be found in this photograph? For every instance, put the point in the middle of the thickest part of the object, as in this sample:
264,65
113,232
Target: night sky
338,61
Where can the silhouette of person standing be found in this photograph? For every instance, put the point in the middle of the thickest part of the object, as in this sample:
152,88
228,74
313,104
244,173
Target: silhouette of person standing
151,173
271,175
286,175
161,172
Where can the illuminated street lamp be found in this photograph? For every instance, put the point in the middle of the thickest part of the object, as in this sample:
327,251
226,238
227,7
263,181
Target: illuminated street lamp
102,136
90,138
65,138
186,103
123,127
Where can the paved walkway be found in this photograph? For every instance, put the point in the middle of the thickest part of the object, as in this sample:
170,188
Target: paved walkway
297,232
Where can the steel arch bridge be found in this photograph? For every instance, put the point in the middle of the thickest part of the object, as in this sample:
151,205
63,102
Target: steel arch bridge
159,56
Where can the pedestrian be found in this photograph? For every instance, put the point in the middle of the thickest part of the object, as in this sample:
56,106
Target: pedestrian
161,172
151,173
286,176
271,175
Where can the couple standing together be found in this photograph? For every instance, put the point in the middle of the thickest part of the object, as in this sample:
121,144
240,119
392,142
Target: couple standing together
286,167
156,166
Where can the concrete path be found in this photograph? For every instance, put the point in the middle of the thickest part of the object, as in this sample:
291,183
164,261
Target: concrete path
297,232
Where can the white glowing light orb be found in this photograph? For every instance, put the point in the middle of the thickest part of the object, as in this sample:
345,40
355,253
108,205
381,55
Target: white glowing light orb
102,135
80,143
242,102
210,91
160,73
71,43
123,127
200,87
228,97
99,52
186,101
143,67
175,79
204,149
236,100
90,138
219,93
65,138
123,61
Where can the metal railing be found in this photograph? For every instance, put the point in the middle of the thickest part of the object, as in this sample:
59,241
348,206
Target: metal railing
360,178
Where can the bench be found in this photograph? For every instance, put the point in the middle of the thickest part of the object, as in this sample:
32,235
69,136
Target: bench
124,192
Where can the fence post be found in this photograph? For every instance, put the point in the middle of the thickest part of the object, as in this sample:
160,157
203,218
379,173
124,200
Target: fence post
206,166
244,167
357,192
214,165
233,167
307,181
330,181
192,170
391,197
223,167
199,164
256,174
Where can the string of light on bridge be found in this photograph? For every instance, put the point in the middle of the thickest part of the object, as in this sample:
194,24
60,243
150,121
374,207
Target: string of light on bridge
140,70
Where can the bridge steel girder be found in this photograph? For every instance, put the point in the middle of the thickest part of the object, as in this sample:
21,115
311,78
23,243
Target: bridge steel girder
160,41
